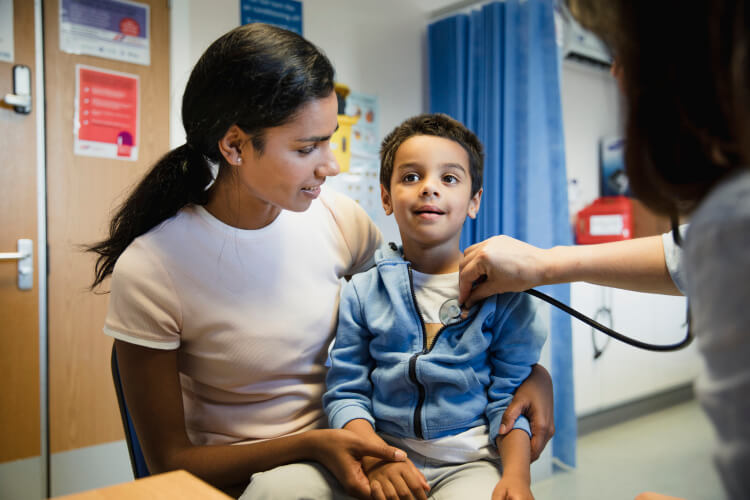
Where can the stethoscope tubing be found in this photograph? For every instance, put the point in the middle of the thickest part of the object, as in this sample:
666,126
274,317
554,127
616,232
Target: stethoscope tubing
612,333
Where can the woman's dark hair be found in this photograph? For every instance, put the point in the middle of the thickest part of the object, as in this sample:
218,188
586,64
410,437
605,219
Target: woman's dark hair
256,76
686,71
439,125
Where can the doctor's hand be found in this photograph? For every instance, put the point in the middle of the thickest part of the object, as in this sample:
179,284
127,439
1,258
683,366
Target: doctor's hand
496,265
533,399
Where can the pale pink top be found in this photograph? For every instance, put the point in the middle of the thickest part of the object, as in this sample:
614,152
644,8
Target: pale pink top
251,312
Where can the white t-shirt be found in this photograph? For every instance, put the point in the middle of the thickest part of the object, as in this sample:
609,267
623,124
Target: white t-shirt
251,312
432,291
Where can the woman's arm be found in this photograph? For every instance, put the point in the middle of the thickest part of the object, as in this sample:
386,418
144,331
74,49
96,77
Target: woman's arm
510,265
152,391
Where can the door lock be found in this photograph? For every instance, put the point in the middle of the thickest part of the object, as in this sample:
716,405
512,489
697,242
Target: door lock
20,99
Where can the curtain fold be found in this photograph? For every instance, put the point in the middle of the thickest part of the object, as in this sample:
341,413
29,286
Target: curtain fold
497,70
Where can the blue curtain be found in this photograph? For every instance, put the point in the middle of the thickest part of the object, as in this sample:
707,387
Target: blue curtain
497,70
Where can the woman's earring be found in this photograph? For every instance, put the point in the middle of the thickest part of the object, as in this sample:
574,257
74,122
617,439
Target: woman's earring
239,161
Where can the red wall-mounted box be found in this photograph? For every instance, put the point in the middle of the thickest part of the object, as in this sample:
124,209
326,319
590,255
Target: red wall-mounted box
609,218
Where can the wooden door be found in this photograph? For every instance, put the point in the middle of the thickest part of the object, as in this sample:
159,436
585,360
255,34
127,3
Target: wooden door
82,194
21,465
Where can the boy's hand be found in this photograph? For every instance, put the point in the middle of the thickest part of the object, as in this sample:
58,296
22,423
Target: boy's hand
512,488
396,480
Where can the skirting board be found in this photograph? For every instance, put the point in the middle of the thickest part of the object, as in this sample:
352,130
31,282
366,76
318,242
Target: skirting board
633,409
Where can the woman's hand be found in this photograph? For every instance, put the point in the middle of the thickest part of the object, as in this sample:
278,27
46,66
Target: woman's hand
397,481
512,488
496,265
533,398
341,451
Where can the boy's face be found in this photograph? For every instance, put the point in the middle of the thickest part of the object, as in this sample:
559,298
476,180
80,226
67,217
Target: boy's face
430,193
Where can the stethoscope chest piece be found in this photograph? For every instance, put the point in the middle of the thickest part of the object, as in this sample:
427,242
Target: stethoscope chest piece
450,312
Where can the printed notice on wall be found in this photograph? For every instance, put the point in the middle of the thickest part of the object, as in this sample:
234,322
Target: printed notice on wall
365,135
362,181
285,14
106,114
6,31
113,29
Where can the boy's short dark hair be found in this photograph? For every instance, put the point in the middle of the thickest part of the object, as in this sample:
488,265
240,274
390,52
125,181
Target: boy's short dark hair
438,125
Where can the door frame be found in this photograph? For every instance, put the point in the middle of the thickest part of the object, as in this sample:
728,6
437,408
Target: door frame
41,239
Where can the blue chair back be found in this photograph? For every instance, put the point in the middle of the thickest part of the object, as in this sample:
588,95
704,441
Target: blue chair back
134,448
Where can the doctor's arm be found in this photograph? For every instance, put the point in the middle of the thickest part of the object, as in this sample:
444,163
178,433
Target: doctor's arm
509,265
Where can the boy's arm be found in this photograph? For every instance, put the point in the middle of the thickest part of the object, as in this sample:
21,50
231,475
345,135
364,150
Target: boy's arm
518,336
515,454
349,390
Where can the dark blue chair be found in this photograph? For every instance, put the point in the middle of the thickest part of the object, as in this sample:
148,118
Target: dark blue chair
134,448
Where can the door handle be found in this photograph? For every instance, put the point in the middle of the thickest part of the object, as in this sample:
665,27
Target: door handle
17,100
20,99
25,258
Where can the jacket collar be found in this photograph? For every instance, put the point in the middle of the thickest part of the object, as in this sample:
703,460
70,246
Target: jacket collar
390,253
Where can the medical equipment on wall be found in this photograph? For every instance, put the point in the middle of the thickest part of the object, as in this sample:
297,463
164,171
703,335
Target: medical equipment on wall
606,219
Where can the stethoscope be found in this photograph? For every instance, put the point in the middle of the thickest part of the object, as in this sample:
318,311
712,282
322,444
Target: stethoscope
450,313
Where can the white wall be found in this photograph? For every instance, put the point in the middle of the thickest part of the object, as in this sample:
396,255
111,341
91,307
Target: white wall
592,109
376,47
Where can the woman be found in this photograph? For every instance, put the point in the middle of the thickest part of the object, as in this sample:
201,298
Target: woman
225,290
687,98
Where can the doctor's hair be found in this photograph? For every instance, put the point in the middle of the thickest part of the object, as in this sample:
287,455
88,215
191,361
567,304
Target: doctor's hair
686,84
438,125
256,76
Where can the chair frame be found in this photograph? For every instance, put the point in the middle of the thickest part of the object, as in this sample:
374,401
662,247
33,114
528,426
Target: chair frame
137,461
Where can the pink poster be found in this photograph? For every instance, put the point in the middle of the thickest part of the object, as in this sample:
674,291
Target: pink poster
106,121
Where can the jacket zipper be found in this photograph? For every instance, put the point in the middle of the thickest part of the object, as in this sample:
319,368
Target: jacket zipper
413,361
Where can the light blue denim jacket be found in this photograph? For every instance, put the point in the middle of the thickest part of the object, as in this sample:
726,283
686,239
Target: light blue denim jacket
382,371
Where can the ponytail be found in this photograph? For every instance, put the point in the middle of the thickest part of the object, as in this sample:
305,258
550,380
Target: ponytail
179,178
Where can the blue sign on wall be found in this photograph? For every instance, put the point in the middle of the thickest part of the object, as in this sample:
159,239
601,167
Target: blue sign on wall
285,14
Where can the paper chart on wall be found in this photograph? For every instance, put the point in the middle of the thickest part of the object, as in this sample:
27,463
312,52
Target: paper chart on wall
365,135
362,182
113,29
106,114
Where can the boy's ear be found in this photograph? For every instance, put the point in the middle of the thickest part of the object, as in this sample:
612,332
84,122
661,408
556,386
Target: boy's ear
231,143
385,197
474,203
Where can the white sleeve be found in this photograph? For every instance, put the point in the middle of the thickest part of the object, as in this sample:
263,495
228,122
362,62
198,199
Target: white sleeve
143,305
360,233
673,257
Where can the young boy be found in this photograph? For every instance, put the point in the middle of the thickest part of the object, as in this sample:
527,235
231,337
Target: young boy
405,363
